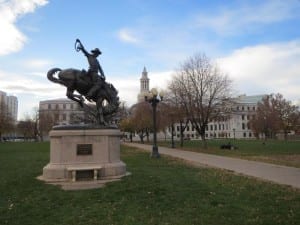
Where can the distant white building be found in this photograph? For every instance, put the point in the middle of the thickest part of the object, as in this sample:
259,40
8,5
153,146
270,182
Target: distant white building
236,126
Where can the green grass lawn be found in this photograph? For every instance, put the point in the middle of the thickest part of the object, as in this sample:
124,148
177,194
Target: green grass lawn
159,191
272,151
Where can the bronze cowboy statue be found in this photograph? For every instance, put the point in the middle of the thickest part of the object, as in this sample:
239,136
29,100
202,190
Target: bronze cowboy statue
89,84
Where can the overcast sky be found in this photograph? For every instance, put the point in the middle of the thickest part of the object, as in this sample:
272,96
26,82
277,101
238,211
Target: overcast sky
256,42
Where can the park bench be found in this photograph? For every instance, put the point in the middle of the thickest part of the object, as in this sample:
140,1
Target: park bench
73,170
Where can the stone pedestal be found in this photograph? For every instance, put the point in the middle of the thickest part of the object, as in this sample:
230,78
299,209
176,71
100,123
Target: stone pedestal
84,155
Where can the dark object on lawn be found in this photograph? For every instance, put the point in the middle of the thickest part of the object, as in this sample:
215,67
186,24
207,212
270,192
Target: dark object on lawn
228,146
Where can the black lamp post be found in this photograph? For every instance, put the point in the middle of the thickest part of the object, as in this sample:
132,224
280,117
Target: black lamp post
154,98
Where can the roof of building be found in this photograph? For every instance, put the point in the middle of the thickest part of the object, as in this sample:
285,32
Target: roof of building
58,100
253,99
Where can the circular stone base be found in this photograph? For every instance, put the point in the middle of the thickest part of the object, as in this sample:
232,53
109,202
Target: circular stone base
84,155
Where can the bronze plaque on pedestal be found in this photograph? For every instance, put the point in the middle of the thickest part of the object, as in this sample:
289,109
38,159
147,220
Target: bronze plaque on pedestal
84,149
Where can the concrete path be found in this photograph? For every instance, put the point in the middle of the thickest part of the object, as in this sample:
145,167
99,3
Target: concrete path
271,172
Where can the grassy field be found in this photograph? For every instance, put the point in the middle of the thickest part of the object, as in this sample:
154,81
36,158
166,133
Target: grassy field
163,191
272,151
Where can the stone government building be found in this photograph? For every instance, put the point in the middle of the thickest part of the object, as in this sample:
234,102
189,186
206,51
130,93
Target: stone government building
234,127
237,126
62,110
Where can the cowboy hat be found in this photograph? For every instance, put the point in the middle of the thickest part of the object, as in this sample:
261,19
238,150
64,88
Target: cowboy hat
96,50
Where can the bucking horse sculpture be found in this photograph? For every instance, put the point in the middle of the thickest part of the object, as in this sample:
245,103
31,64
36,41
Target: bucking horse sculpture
103,94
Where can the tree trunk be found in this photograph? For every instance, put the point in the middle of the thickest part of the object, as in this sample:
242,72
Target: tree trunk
147,135
181,134
142,138
204,142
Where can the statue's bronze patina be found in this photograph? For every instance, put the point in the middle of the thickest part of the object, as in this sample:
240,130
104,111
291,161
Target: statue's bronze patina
89,84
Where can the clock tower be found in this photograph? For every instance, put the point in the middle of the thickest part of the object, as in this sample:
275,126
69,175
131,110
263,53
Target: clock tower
144,85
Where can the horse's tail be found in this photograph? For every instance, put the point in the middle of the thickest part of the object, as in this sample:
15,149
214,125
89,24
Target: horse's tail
51,73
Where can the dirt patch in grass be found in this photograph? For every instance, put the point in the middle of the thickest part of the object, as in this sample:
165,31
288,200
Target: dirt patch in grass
287,160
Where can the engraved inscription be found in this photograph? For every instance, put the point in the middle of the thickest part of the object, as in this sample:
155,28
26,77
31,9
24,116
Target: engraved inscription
84,149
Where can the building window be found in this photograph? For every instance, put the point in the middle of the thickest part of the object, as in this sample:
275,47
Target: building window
178,128
64,106
245,134
49,106
56,117
243,117
64,117
243,126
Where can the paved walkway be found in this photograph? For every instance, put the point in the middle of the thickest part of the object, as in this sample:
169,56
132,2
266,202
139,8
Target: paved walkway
275,173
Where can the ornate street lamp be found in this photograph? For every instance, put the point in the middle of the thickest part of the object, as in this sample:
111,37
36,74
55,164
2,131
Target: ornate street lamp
154,98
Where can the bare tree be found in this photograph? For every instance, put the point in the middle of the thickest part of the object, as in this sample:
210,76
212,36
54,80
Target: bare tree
142,118
176,113
274,114
27,128
47,120
201,90
125,120
288,114
127,125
